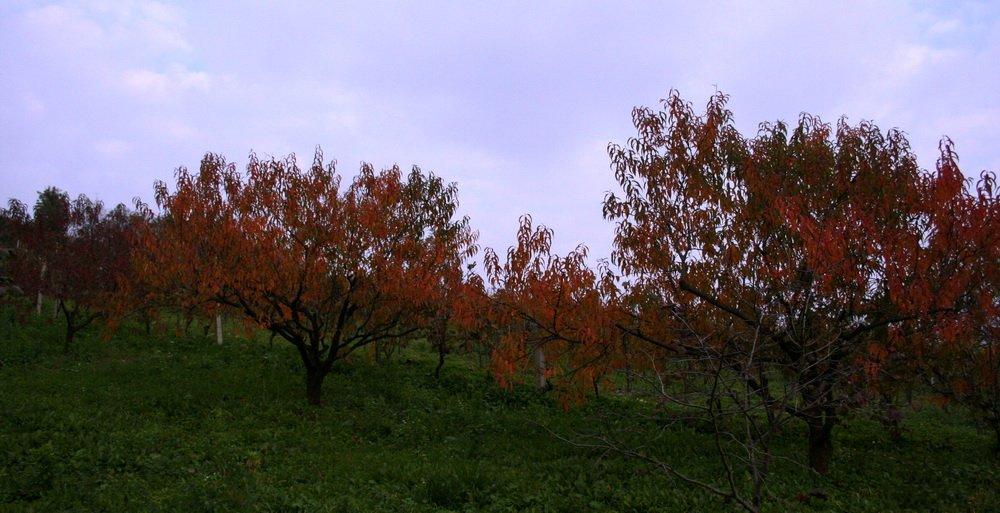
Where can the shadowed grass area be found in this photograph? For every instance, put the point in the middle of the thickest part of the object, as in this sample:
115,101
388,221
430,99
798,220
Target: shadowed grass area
168,423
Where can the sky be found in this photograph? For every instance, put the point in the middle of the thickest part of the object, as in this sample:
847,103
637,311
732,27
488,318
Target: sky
514,101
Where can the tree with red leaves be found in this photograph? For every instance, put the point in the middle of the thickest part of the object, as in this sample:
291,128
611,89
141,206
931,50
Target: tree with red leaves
330,269
959,357
89,265
76,252
804,246
555,314
14,221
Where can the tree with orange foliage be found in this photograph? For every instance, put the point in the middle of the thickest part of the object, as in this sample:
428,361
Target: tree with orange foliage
77,252
328,268
455,313
571,325
555,313
960,358
803,246
36,239
89,265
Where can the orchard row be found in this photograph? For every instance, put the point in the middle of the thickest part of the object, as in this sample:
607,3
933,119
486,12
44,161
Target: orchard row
787,278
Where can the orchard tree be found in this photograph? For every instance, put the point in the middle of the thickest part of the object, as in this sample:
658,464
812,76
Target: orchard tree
329,268
960,357
50,224
570,326
90,263
35,240
555,314
455,311
803,246
14,221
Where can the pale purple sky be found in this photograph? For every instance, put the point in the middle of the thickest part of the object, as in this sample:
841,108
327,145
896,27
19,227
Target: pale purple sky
514,101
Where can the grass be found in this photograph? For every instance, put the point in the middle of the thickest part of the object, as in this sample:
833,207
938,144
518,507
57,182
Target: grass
179,424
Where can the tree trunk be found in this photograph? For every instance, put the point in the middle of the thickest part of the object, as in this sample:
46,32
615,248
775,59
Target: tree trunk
441,341
314,386
38,303
995,424
540,368
70,328
70,336
218,329
820,444
440,365
628,365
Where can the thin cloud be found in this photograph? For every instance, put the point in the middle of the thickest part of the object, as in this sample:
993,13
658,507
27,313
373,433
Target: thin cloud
515,103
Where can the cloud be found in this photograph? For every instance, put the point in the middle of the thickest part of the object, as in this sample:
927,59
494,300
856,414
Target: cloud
947,26
515,103
34,107
65,27
112,148
154,85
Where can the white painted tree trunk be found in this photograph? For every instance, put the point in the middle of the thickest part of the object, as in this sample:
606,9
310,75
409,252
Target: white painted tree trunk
38,303
218,329
540,368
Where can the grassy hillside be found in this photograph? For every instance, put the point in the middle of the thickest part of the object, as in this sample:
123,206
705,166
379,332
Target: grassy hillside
165,424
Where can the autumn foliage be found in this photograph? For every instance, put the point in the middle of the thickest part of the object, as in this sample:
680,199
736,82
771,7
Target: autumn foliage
800,273
75,252
330,268
808,246
814,242
554,312
798,260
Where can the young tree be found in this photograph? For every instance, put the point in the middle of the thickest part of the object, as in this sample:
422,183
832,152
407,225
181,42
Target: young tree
960,357
801,246
455,312
50,224
89,264
328,268
556,314
14,221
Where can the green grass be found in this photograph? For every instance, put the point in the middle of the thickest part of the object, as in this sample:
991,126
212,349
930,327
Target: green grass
179,424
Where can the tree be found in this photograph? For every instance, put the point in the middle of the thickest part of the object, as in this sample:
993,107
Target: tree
14,221
51,221
557,306
90,263
802,246
455,312
556,315
329,269
960,357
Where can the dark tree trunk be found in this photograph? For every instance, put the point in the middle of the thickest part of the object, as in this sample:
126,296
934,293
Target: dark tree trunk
440,365
70,328
316,367
441,341
820,444
314,386
628,365
70,336
994,422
